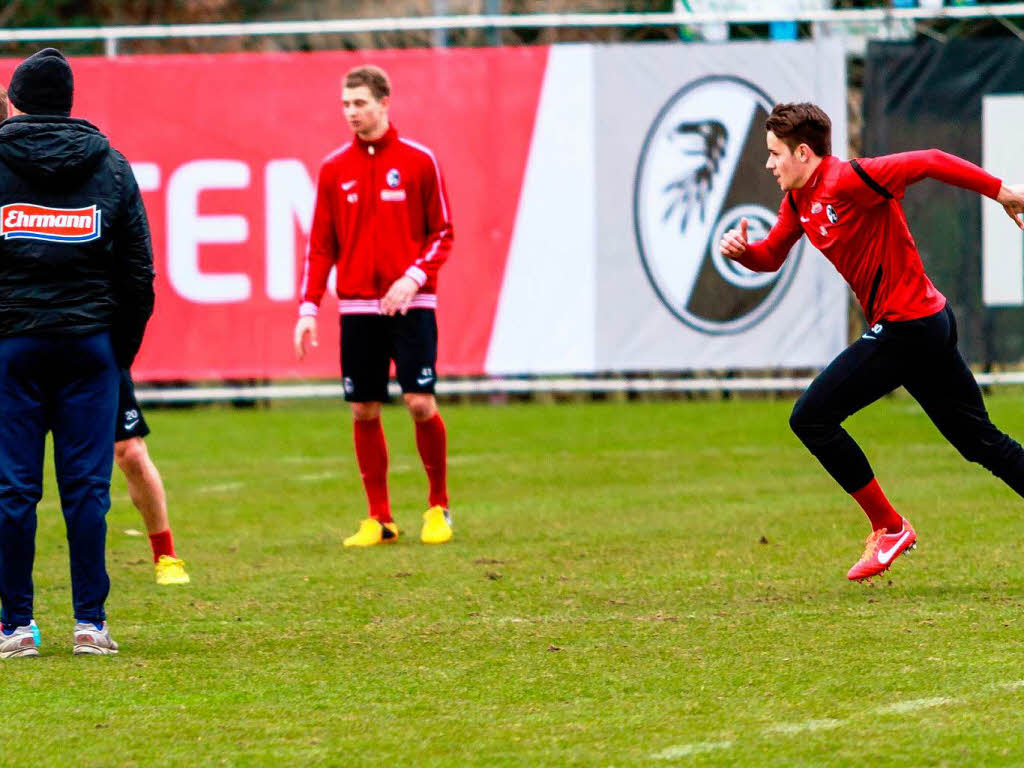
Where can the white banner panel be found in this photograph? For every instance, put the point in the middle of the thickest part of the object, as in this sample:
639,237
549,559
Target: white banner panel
681,148
642,156
545,317
1002,256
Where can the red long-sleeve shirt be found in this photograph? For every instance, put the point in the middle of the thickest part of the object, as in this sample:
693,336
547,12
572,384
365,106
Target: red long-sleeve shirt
381,212
850,211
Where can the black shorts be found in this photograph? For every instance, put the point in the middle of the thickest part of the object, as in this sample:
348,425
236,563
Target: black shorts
130,422
370,342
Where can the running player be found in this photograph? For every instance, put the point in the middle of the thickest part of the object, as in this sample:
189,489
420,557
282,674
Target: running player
850,211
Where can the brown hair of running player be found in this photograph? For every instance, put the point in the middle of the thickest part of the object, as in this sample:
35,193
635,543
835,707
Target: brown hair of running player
802,123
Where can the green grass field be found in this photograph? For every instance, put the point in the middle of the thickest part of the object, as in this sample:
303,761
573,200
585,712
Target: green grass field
631,584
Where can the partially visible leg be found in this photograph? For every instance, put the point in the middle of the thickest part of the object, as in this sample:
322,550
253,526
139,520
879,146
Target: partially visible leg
415,347
145,486
432,444
22,440
859,376
949,394
365,364
85,405
865,371
146,489
372,457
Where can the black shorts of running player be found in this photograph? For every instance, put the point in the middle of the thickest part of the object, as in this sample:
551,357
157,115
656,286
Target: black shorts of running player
370,342
130,422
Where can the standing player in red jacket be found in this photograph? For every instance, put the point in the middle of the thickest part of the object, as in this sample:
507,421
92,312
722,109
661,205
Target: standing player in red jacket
850,211
382,219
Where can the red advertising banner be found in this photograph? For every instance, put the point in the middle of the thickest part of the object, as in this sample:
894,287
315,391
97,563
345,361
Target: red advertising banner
226,149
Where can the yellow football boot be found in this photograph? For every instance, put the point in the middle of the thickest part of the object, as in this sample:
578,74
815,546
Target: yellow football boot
373,532
437,526
171,570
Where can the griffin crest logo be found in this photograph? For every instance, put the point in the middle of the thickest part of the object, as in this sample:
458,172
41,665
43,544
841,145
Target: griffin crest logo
701,170
705,142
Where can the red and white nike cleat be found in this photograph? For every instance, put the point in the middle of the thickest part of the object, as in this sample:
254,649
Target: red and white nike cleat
880,549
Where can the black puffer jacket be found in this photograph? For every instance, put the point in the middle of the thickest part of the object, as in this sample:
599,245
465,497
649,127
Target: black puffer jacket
75,253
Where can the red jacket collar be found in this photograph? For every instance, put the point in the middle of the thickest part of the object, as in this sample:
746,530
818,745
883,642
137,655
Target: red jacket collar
390,136
826,162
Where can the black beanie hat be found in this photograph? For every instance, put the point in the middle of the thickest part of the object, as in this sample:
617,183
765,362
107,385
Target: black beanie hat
43,84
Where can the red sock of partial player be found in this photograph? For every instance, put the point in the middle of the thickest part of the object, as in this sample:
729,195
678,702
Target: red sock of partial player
878,509
372,455
162,544
432,442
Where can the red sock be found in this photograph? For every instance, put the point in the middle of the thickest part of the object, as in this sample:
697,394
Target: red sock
162,544
878,509
372,455
432,442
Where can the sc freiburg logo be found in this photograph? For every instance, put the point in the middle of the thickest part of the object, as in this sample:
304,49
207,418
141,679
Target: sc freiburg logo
701,170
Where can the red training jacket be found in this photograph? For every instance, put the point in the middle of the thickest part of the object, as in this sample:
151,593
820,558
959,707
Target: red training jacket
850,211
381,212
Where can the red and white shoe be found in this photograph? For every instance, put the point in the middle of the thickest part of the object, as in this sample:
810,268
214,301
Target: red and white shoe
880,549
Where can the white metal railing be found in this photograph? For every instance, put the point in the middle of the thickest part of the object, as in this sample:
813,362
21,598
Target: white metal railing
515,386
111,35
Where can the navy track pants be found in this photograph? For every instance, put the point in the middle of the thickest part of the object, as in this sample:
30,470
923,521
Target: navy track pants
66,385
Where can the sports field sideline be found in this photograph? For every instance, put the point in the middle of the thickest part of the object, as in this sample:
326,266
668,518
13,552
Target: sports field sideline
657,583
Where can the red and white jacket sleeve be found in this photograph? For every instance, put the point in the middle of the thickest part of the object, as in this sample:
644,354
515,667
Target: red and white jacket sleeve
768,254
322,251
439,232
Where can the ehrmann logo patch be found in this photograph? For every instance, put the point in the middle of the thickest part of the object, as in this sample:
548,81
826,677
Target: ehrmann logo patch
25,221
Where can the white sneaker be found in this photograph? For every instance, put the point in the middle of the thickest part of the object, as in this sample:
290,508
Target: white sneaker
92,641
21,642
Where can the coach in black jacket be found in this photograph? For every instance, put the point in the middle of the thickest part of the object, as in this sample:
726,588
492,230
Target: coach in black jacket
76,291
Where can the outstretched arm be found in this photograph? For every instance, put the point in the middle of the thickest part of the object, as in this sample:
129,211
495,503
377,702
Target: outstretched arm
887,177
